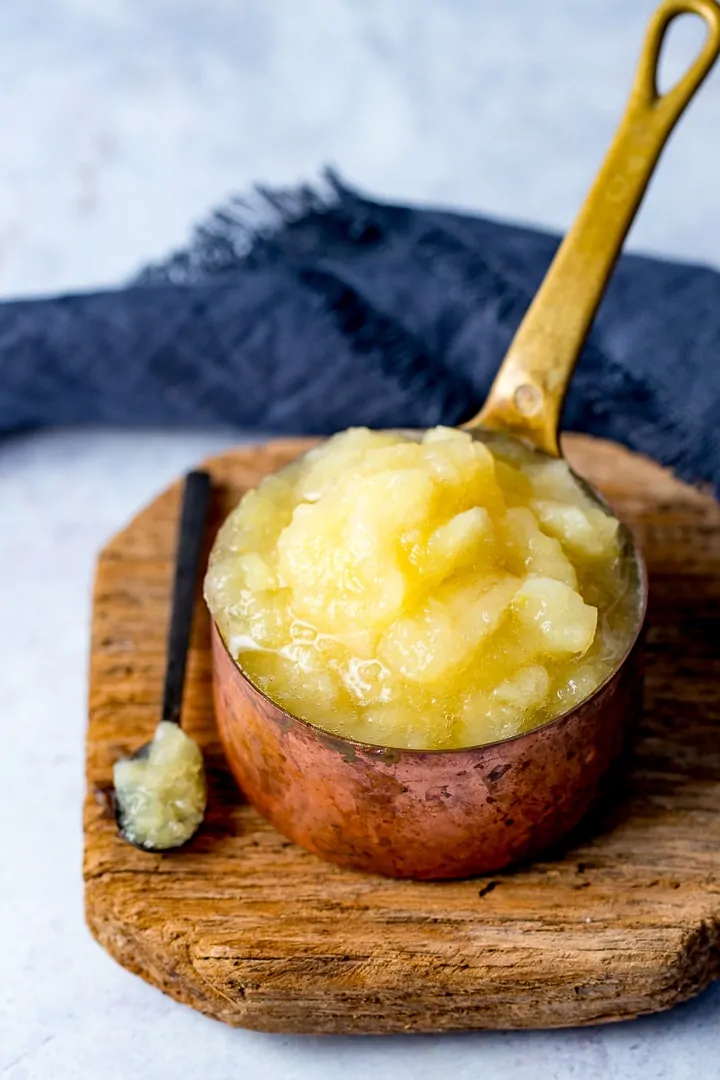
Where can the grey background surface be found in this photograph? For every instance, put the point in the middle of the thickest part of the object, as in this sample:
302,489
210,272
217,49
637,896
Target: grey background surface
122,122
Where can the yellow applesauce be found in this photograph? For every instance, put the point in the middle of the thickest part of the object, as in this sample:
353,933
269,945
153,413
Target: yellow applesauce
430,594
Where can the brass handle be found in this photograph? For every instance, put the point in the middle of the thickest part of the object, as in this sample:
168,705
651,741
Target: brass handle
528,392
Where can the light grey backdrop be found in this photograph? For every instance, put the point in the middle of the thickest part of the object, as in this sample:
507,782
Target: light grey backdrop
121,121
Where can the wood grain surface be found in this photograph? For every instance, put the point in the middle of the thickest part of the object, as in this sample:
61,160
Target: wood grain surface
247,927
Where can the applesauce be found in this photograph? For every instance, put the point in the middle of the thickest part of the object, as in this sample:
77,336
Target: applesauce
161,792
430,593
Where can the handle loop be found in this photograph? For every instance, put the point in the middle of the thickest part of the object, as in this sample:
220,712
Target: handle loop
645,91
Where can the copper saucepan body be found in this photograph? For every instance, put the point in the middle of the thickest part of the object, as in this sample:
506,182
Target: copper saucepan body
431,814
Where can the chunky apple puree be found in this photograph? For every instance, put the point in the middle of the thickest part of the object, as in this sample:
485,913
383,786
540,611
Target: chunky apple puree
427,594
161,792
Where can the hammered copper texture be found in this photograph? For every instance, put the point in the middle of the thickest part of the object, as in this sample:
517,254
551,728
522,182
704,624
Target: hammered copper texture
412,814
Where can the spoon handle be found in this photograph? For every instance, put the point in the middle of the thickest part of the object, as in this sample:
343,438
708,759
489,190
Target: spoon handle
196,499
528,392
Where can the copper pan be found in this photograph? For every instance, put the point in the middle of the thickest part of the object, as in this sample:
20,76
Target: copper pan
452,813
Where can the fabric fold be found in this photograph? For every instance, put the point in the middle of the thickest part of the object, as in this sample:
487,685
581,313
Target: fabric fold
318,309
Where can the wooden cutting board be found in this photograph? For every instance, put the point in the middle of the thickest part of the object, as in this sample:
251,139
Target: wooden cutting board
247,927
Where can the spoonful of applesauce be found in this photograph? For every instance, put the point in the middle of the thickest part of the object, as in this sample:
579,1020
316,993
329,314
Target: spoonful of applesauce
458,587
160,790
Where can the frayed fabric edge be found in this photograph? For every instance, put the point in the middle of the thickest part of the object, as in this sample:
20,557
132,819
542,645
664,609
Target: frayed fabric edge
246,230
230,235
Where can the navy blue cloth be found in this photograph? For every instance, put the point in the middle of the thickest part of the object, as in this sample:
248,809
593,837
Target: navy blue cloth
313,311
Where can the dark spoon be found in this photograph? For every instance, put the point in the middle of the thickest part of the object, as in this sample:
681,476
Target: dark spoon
193,519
